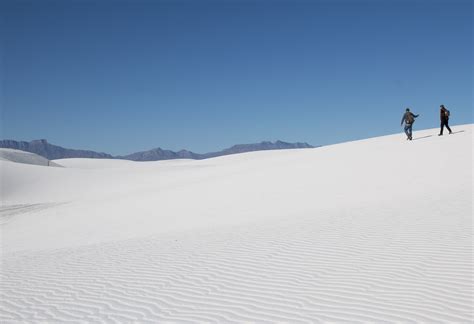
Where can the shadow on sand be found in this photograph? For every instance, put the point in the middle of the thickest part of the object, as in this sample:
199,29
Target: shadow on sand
461,131
422,137
456,132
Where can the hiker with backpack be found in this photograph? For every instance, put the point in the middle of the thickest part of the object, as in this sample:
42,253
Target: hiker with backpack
444,117
409,119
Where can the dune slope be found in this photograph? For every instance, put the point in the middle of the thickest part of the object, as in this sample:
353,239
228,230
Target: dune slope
24,157
372,230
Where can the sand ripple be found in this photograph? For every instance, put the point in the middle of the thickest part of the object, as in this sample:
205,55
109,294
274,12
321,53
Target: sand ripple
342,268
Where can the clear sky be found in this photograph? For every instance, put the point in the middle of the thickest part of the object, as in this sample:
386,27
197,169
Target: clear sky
125,76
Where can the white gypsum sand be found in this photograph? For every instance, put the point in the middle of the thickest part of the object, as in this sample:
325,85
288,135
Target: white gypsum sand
24,157
372,230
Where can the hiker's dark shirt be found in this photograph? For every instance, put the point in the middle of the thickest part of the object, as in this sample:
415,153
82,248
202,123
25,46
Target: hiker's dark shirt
443,114
404,118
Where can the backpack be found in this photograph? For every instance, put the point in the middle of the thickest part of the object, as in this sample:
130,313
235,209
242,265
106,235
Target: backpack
409,119
445,113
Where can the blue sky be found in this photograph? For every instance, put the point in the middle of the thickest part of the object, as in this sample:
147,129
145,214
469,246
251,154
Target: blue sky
125,76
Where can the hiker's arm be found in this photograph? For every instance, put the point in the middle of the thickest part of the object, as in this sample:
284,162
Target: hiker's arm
416,115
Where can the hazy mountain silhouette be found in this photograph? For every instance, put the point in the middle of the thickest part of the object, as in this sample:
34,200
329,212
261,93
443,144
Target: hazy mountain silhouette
52,152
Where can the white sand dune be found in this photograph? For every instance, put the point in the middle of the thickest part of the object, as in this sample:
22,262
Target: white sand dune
375,230
24,157
82,163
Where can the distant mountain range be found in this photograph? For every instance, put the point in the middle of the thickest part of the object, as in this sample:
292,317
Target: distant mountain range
53,152
50,151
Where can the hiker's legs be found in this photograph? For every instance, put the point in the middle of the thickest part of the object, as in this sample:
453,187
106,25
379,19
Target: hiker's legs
447,127
442,127
408,131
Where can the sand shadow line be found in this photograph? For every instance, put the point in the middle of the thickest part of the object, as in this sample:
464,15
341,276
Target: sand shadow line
422,137
461,131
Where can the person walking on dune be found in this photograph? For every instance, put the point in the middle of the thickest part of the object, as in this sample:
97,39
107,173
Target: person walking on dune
409,119
444,117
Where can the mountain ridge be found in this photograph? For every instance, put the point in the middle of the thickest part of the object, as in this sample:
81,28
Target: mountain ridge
52,152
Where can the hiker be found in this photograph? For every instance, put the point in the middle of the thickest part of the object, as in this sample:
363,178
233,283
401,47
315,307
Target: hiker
409,119
444,116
